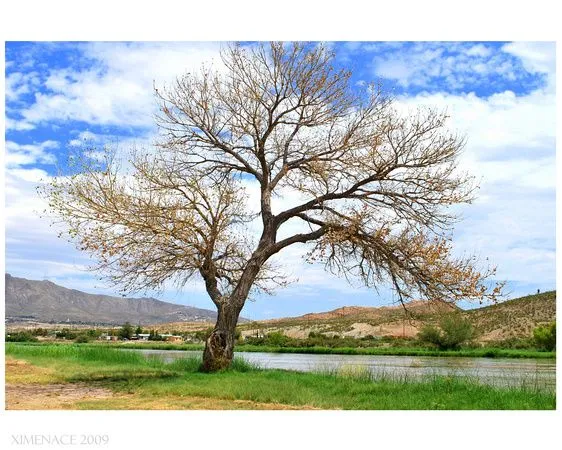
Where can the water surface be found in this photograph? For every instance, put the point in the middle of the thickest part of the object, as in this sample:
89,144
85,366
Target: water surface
494,371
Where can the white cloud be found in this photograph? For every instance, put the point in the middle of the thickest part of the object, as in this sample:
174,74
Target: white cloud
18,125
536,56
118,88
460,66
27,154
501,127
84,137
479,50
29,237
18,84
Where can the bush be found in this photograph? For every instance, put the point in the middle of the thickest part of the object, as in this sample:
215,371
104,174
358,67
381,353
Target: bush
514,343
454,331
82,338
430,335
40,332
126,331
65,334
545,337
93,334
20,336
276,339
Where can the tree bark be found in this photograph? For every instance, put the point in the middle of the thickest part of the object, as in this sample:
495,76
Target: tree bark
219,347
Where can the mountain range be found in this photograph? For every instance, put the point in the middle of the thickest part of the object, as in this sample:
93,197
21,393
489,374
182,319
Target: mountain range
47,302
29,301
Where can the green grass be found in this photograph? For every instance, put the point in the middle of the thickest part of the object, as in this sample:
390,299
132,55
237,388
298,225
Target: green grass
132,373
389,351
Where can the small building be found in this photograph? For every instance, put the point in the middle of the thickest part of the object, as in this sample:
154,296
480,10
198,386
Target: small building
143,336
171,338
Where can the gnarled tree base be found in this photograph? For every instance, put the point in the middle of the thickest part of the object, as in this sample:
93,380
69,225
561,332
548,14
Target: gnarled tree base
219,351
219,348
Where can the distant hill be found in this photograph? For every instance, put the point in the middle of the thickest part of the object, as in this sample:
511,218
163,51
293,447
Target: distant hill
512,318
47,302
415,308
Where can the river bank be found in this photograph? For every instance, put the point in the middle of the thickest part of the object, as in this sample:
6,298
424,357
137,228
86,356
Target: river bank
483,352
107,378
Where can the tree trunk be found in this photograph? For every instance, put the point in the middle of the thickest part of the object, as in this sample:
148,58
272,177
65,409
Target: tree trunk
219,347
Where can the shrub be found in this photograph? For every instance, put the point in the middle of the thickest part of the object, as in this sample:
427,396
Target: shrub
20,336
65,334
93,333
276,339
82,338
40,332
545,337
454,331
430,335
513,342
126,331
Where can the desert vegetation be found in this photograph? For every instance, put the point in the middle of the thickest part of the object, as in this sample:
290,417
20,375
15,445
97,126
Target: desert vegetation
545,337
453,332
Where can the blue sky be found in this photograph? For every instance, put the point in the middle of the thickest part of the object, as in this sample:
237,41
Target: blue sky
501,95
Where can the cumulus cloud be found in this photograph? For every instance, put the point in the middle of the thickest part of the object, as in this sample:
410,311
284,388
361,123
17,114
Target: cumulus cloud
453,66
19,84
115,88
20,155
535,56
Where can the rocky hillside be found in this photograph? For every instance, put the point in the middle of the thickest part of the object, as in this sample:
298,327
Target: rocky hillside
512,318
47,302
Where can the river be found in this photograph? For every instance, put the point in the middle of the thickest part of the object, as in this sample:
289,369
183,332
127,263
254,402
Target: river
494,371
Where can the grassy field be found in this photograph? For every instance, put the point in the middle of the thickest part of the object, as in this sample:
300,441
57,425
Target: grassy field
486,352
100,377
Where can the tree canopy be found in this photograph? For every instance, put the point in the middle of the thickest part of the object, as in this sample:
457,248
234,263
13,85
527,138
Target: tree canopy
375,186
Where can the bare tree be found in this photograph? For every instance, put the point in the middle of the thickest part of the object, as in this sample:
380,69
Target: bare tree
376,187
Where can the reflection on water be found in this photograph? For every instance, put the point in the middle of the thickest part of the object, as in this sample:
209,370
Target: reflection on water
494,371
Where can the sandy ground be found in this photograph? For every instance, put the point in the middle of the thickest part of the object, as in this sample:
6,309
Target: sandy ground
29,387
51,396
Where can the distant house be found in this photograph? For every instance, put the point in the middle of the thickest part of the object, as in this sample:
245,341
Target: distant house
171,338
143,336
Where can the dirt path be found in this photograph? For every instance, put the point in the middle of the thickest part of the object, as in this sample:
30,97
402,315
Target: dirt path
81,396
28,388
51,396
